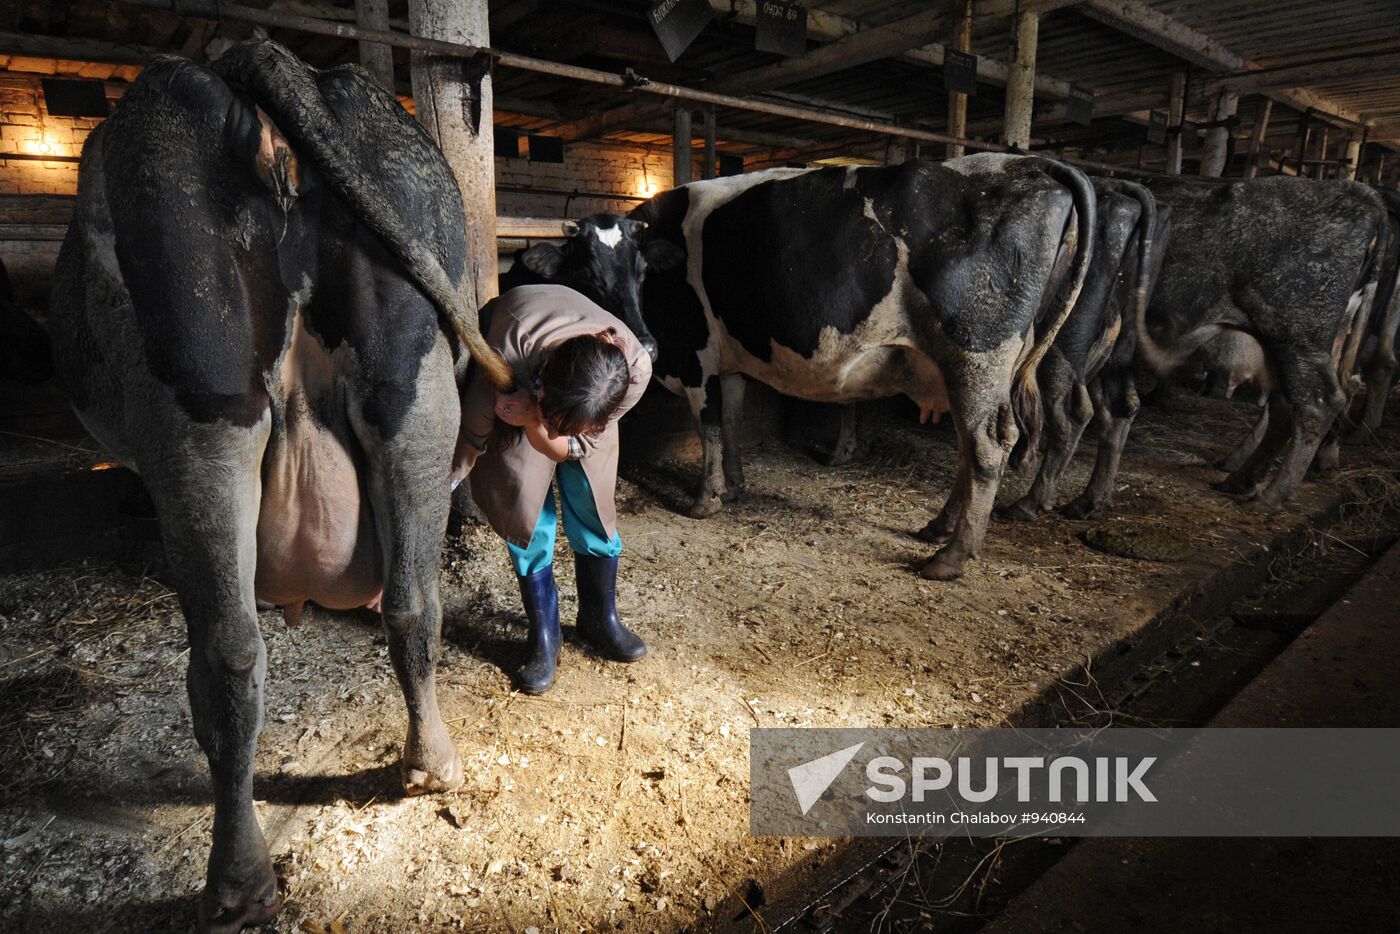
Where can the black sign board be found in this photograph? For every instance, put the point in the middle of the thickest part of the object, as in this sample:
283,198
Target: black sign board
782,28
546,148
65,98
678,22
730,164
1157,127
506,143
960,71
1080,107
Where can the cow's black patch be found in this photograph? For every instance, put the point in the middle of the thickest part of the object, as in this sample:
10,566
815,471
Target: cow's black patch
196,241
670,307
786,259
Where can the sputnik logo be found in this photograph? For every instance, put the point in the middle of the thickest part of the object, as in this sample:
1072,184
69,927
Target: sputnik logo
811,779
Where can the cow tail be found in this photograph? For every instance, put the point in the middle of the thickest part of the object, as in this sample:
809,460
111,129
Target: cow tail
1025,389
286,88
1389,321
1370,287
1147,231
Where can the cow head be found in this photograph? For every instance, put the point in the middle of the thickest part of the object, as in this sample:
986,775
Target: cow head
605,259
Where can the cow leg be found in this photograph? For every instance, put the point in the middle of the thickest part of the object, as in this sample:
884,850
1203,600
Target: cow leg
1115,407
1277,422
731,422
847,446
1236,458
990,434
940,528
1068,410
1328,459
709,499
408,488
1316,400
207,489
1379,375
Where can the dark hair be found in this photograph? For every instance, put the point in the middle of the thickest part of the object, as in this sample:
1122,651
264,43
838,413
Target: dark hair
582,383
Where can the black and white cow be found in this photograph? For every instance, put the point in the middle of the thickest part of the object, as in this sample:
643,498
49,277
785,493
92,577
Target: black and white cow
1088,372
606,258
1381,349
1269,281
256,308
841,284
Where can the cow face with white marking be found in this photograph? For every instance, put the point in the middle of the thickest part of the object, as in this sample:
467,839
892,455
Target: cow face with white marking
604,258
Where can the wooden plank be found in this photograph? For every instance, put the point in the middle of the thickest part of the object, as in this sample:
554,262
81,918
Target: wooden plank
961,13
455,108
823,25
1176,110
1141,21
1020,91
1216,149
1292,76
1256,139
377,58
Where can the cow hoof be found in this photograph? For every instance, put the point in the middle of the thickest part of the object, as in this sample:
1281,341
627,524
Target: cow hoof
831,456
704,508
735,491
229,911
421,780
941,569
1080,508
1233,487
1023,510
932,533
1261,504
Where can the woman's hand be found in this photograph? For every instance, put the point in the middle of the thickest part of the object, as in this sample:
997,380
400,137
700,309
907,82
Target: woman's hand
517,409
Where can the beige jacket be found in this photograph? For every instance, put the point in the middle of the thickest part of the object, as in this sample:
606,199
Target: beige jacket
510,484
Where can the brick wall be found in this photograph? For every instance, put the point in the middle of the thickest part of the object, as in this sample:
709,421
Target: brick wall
592,169
27,129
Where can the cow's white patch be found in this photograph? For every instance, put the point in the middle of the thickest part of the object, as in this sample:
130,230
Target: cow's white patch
609,237
884,356
981,163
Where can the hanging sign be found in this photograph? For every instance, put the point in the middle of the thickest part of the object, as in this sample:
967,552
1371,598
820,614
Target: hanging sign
66,98
960,71
1157,127
678,22
781,28
1080,107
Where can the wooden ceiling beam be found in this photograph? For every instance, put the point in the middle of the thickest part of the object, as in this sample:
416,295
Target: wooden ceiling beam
1386,64
1142,22
850,46
75,50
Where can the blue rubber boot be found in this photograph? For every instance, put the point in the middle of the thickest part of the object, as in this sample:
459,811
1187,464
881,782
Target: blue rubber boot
597,610
541,599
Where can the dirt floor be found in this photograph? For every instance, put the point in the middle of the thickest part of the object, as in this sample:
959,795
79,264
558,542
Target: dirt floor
618,800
